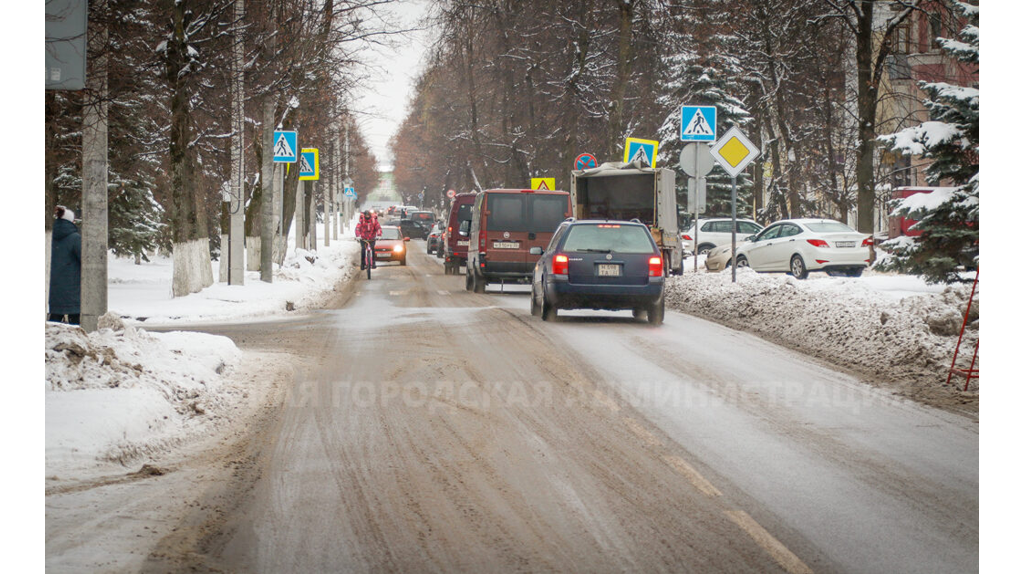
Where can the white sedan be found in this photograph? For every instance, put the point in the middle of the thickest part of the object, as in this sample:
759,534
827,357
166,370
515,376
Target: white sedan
799,246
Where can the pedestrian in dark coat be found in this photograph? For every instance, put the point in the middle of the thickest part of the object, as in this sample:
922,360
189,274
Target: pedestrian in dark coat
65,269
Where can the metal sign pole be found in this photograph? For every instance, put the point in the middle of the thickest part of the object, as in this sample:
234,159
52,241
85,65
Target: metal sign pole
734,229
696,211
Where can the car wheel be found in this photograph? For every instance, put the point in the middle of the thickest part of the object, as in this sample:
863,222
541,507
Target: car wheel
479,283
835,273
703,249
534,307
548,312
469,280
797,267
855,272
403,261
639,313
741,262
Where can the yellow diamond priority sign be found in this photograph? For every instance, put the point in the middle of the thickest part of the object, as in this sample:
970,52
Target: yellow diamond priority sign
734,151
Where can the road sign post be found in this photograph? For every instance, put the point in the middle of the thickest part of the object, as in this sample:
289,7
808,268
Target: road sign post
542,183
734,152
585,161
699,125
643,151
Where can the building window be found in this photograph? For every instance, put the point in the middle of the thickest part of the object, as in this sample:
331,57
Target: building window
935,22
901,39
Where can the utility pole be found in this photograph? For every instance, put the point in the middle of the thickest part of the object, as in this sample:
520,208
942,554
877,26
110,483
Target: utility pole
94,183
236,236
267,220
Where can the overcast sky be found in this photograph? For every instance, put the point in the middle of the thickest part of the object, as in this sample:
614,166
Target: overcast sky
384,101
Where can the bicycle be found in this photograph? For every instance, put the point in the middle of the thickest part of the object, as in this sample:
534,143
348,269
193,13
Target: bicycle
368,256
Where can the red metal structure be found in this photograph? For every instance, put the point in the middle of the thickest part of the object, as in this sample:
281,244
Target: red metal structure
970,372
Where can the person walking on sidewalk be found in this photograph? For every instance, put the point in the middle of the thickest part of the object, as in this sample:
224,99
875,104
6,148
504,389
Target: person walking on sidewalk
65,269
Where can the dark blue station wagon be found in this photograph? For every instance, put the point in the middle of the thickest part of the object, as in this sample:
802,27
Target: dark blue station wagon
595,264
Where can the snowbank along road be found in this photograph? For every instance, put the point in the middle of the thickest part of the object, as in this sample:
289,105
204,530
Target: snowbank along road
432,429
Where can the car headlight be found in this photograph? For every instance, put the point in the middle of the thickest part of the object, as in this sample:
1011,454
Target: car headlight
399,248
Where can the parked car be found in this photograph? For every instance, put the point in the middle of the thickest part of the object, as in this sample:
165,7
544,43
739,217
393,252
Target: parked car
456,232
716,232
799,246
417,224
720,258
434,238
390,246
599,264
506,225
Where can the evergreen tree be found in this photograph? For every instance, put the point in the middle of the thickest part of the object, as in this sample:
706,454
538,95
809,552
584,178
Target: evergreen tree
709,78
948,218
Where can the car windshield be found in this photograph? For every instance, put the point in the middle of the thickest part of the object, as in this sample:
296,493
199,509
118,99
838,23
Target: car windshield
608,237
390,233
829,227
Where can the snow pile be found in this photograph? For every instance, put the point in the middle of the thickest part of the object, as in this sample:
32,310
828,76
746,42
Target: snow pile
142,293
893,329
116,395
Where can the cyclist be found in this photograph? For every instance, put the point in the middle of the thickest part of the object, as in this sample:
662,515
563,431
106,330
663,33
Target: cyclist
367,230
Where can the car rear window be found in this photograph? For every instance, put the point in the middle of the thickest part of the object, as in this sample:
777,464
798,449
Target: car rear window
422,215
611,237
509,212
390,233
829,227
548,212
465,212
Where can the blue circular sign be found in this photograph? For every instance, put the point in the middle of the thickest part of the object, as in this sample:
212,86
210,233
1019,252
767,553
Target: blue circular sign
585,161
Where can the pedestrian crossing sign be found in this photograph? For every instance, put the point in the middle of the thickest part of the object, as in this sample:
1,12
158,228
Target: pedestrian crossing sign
309,164
644,151
286,144
699,123
542,183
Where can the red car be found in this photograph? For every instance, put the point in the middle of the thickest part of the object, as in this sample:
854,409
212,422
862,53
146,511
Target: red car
456,234
390,245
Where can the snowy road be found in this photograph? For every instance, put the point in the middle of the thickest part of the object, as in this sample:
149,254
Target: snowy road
441,430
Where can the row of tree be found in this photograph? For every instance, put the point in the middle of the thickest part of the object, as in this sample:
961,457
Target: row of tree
169,96
517,88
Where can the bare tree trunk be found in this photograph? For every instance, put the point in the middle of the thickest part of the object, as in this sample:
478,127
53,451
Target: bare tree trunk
624,68
192,269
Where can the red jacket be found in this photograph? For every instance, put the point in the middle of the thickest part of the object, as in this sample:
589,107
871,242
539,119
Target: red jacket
368,229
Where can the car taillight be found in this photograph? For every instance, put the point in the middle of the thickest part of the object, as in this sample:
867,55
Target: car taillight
818,242
687,238
560,265
483,241
868,242
654,267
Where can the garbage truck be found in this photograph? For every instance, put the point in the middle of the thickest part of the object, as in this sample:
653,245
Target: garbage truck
627,191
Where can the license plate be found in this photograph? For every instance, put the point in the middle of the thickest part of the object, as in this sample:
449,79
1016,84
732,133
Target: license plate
505,245
462,243
846,243
383,254
604,270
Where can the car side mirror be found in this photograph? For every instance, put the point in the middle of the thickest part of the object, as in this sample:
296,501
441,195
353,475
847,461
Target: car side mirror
536,251
405,239
750,238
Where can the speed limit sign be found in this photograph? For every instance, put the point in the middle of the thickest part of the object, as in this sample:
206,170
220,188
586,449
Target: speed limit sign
451,193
